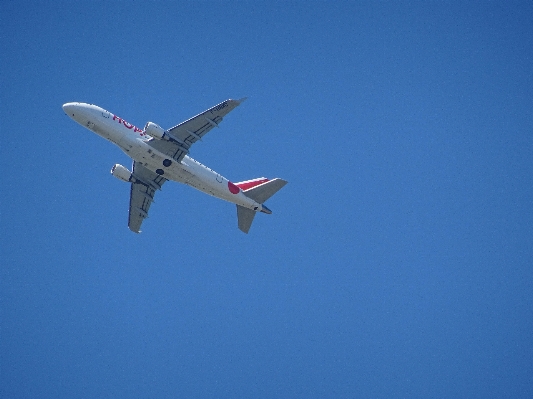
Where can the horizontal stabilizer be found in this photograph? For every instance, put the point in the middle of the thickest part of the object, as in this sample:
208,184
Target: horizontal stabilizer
245,218
264,191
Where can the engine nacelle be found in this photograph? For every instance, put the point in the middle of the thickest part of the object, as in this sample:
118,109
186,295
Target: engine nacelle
156,131
120,172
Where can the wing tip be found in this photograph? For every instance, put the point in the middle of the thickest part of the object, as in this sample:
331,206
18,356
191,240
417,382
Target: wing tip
136,231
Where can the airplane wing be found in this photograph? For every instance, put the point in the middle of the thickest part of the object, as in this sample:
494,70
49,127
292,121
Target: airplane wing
142,193
194,129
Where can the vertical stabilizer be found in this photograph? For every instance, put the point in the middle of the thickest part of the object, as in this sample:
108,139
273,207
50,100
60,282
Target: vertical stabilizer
245,217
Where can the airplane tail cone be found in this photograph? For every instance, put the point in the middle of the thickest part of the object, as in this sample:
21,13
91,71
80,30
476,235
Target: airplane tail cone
264,209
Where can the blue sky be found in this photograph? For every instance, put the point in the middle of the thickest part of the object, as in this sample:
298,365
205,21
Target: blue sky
397,261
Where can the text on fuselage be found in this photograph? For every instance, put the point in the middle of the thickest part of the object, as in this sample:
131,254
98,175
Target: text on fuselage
128,125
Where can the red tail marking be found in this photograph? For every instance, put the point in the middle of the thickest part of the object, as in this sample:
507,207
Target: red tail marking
233,188
245,185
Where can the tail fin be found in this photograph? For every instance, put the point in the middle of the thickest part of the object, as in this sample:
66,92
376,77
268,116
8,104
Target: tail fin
245,185
259,193
245,217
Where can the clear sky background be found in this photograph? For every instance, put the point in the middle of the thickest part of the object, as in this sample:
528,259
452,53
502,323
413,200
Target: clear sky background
397,261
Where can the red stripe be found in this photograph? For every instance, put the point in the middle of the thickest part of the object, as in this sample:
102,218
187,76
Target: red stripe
250,184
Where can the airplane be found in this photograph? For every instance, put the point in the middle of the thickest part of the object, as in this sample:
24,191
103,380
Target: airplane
160,155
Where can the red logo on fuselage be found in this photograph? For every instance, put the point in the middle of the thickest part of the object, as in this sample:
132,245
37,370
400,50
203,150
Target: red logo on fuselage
128,125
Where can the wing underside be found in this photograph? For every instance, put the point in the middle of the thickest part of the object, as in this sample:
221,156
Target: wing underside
189,132
143,187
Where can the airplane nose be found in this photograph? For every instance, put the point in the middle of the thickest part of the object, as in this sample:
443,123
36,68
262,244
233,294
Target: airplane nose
68,108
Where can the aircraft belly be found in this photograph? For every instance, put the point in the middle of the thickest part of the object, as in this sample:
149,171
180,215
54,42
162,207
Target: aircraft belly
188,172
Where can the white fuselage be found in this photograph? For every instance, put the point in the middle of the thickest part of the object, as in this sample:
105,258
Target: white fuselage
135,143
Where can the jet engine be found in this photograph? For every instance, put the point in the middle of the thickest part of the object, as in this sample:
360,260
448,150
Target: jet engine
120,172
156,131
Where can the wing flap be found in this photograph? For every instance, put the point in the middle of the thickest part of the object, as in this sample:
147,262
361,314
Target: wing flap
142,193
